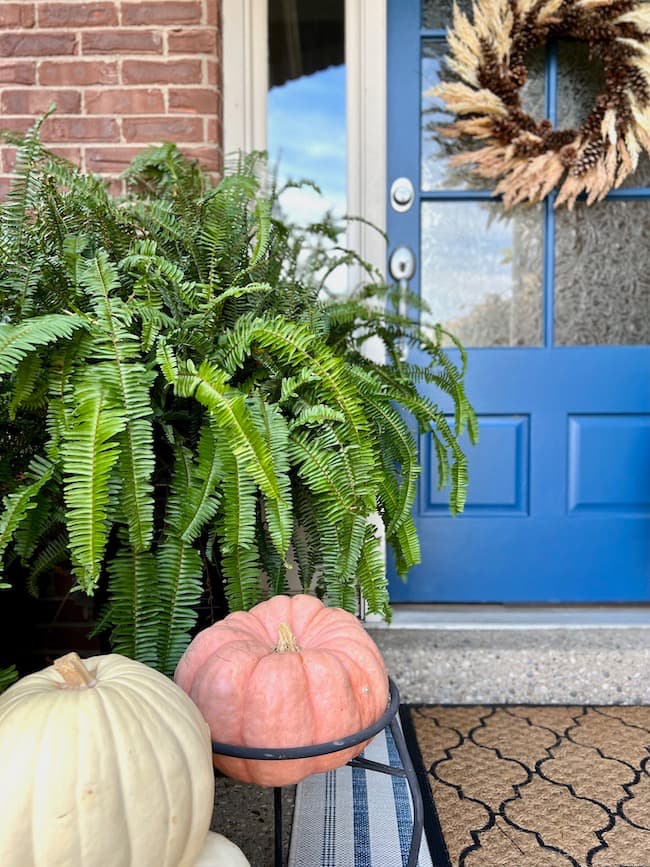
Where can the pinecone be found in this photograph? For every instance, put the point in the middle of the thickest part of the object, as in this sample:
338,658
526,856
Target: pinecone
636,82
588,158
568,155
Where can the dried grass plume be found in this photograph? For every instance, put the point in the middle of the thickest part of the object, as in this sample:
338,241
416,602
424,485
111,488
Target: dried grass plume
527,158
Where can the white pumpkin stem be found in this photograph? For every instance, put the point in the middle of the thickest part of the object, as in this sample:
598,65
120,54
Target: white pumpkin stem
74,673
286,640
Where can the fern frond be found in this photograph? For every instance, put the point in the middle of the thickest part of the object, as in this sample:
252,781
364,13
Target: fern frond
297,347
305,540
74,247
397,445
371,574
90,451
178,568
322,469
130,382
236,530
133,606
54,552
17,341
274,429
25,382
17,505
231,417
167,361
8,675
23,193
205,496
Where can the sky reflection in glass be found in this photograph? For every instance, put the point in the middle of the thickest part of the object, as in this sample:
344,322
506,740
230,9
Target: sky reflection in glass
306,140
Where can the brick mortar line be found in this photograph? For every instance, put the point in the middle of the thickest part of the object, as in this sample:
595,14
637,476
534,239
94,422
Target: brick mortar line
108,57
70,88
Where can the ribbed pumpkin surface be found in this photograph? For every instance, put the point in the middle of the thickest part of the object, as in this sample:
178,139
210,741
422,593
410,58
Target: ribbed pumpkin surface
256,691
117,775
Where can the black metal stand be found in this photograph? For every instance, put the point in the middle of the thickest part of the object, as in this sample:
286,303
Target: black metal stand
388,718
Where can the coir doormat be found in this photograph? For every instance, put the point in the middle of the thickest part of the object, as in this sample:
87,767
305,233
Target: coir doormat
524,786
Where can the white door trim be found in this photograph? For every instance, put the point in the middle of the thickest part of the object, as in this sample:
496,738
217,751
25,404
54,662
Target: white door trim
245,74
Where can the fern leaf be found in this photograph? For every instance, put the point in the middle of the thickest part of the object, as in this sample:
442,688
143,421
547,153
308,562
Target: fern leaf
131,382
17,341
236,529
273,427
28,375
56,551
228,410
90,451
179,570
8,675
322,468
17,505
371,574
74,247
167,360
399,445
133,607
305,540
205,496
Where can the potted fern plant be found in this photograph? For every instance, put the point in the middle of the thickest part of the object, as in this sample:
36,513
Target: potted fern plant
182,409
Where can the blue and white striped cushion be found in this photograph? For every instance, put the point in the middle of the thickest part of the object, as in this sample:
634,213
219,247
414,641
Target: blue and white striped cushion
355,818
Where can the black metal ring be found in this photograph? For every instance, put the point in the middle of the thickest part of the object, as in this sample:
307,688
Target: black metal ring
268,753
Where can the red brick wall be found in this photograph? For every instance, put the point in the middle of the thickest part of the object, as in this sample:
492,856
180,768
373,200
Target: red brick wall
123,74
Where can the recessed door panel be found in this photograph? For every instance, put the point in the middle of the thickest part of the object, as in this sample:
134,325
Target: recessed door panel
498,468
609,464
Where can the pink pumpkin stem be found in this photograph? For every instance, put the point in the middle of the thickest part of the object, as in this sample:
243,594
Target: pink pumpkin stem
286,640
74,673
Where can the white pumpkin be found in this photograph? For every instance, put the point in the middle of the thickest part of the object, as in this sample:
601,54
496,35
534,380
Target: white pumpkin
104,763
218,851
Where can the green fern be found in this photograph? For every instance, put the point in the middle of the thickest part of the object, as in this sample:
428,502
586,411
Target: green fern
178,569
183,409
17,341
133,607
90,451
8,675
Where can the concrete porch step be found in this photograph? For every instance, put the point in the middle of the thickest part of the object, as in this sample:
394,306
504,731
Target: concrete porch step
491,654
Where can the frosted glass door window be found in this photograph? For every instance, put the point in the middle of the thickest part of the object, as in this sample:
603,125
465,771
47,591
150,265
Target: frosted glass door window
602,281
481,272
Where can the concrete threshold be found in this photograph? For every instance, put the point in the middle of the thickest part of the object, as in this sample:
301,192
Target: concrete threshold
469,617
518,655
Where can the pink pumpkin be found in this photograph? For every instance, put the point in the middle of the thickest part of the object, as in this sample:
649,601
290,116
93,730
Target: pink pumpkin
288,673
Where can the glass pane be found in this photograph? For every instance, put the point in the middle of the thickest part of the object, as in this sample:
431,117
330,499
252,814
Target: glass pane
306,103
482,271
602,281
436,14
581,79
435,150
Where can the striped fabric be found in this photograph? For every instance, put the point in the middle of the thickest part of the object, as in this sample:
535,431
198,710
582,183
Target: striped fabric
355,818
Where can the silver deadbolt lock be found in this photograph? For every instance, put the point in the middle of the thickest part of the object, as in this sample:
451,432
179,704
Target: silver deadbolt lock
402,194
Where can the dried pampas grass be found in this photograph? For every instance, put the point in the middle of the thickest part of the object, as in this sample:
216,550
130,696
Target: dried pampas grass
526,158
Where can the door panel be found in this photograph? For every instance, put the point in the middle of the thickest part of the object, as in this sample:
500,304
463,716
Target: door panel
555,312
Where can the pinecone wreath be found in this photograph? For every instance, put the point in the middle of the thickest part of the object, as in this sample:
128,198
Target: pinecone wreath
529,158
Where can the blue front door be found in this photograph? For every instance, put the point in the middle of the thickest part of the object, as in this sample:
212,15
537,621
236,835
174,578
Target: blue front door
554,307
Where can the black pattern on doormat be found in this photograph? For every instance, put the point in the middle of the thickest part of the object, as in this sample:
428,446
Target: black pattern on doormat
533,786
